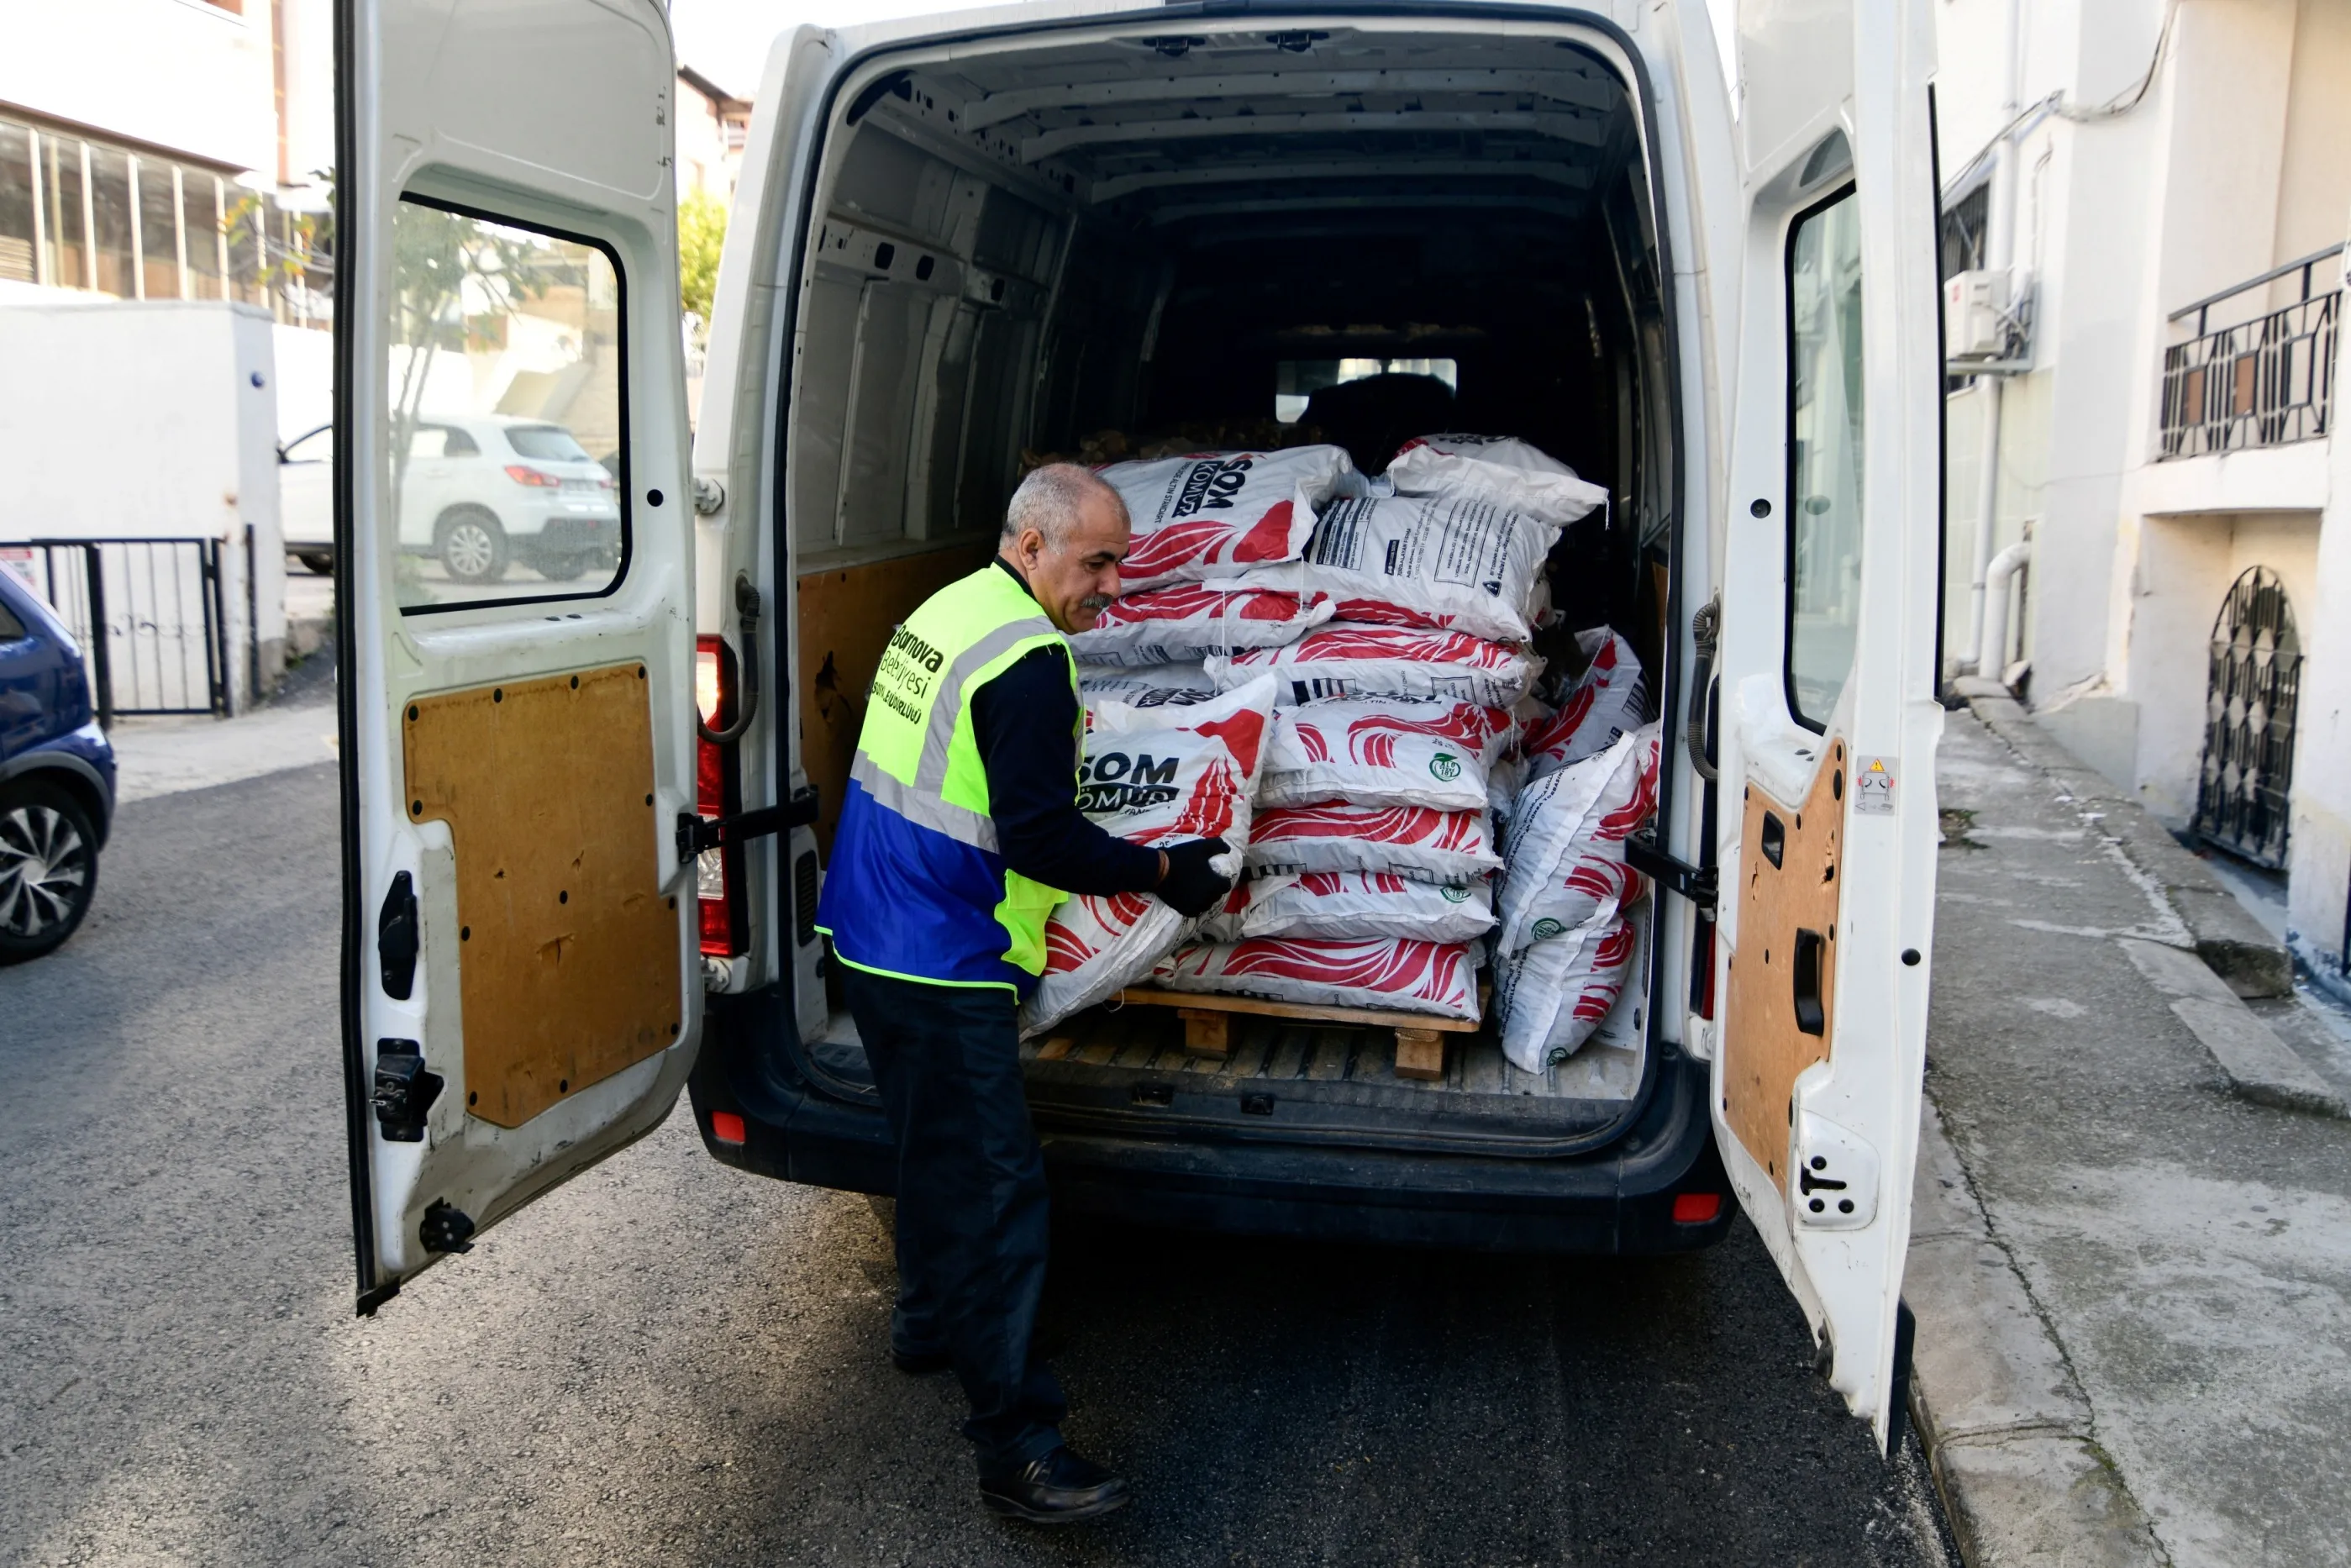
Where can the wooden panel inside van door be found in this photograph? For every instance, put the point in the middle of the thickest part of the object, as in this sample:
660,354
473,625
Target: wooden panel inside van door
567,946
1783,973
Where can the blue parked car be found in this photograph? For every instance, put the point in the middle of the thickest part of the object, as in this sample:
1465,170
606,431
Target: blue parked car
56,779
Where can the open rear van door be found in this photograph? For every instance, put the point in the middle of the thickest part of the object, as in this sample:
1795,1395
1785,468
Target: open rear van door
1828,719
515,588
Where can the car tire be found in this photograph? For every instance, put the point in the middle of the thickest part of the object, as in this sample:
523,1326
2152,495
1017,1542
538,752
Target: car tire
317,564
49,868
471,545
563,566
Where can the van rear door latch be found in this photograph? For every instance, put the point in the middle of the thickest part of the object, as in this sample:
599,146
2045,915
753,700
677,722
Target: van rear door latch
695,835
1693,883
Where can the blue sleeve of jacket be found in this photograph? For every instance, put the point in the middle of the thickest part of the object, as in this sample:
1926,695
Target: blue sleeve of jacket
1023,721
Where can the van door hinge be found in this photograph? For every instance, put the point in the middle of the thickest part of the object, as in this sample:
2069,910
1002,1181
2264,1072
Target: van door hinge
1697,886
695,835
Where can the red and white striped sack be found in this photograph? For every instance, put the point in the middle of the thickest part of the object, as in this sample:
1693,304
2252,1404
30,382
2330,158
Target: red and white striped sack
1154,775
1436,978
1343,659
1147,685
1216,514
1591,888
1551,996
1189,620
1581,813
1450,563
1607,700
1346,905
1499,467
1410,841
1385,751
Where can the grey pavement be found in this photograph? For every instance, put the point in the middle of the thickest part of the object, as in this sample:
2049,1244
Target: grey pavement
165,755
2185,1251
671,1362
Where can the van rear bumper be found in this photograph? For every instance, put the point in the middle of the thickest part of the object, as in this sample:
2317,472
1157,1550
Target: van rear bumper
1617,1199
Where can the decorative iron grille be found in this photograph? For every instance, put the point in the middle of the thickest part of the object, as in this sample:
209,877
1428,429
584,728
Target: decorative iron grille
2254,685
2263,382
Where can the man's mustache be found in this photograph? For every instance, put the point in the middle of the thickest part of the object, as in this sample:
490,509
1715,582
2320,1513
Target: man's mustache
1097,601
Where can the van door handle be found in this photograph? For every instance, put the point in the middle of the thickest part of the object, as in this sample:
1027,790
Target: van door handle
1811,1018
397,938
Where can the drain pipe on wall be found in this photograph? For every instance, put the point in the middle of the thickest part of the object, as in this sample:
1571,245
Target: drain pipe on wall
2000,256
1997,578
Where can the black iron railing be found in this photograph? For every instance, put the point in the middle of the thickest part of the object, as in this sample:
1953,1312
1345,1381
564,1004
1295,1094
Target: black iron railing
151,617
2267,382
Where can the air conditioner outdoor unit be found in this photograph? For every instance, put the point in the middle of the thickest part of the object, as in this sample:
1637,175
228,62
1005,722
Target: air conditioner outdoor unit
1975,316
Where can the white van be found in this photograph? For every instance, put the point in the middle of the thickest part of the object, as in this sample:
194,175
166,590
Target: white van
960,238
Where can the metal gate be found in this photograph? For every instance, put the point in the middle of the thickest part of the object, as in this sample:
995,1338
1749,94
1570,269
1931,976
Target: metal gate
2253,687
151,617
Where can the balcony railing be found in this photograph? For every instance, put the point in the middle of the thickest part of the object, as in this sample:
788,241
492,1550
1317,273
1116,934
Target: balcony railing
2266,382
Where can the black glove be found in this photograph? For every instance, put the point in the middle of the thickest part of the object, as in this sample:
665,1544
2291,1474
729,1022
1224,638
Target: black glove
1192,886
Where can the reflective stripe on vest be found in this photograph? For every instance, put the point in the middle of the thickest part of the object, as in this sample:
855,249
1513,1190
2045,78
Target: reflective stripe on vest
913,906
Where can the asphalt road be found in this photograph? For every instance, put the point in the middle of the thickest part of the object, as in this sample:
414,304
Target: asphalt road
669,1361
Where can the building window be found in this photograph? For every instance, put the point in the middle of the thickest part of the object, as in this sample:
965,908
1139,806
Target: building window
159,229
84,215
65,250
18,232
109,205
200,222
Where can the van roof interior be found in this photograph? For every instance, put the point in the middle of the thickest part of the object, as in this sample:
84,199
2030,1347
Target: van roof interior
1366,231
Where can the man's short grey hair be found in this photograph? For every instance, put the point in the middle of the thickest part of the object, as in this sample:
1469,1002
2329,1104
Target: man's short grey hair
1051,497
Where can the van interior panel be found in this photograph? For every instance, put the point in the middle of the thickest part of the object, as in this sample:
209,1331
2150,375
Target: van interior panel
570,946
1784,971
1068,248
844,616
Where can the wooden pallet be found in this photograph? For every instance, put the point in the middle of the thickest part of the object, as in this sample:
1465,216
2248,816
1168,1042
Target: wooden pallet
1208,1025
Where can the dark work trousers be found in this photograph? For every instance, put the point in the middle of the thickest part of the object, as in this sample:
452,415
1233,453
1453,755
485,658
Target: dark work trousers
972,1222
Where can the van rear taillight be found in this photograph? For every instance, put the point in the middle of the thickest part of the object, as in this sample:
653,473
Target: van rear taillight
726,1127
717,873
1697,1207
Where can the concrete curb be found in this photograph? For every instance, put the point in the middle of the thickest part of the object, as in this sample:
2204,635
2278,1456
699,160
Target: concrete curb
2259,1066
2007,1430
2229,940
306,634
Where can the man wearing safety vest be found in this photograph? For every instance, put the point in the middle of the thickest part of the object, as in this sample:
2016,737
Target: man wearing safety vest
959,832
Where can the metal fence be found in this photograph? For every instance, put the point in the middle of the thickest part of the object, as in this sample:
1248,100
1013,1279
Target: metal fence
151,617
2266,382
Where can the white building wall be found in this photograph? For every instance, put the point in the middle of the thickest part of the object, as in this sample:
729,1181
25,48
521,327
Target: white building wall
2320,886
181,74
2231,162
151,420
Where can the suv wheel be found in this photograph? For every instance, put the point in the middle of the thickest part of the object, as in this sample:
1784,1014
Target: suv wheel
319,563
471,545
49,868
563,566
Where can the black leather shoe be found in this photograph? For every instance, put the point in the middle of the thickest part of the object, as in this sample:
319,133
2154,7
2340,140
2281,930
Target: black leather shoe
1060,1489
921,1362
